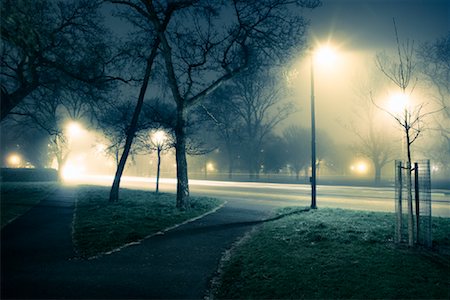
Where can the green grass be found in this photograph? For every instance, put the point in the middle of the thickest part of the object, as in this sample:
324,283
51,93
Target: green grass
333,253
100,226
18,197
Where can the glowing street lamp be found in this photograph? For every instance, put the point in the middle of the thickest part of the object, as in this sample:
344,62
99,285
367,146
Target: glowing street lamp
325,55
14,160
158,139
74,129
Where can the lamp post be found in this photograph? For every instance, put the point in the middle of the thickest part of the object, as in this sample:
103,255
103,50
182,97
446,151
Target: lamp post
325,54
313,137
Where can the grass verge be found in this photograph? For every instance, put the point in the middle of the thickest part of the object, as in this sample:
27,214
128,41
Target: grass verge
18,197
100,227
334,253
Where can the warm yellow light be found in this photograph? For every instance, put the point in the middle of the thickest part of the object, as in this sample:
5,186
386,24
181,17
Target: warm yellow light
210,166
398,102
14,160
74,130
159,137
72,171
360,167
325,55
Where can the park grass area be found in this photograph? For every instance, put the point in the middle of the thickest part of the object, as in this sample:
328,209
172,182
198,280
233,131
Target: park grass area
19,197
101,227
334,253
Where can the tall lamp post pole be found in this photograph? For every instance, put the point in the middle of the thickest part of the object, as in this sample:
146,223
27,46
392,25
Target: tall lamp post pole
313,138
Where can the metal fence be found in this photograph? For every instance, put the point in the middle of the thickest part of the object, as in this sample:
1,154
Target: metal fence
415,224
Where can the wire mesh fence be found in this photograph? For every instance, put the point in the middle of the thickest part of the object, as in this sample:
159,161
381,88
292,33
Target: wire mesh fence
413,203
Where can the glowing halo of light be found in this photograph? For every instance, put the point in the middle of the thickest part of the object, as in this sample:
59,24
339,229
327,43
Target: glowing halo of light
360,167
325,55
14,160
158,137
397,102
72,171
210,167
74,129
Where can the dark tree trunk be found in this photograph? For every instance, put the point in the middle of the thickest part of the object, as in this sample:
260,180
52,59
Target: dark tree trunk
180,155
158,170
114,194
230,164
377,178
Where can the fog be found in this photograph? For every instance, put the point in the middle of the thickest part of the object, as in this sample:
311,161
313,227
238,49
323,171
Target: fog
345,90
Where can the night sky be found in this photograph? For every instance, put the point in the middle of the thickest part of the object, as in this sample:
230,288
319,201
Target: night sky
367,24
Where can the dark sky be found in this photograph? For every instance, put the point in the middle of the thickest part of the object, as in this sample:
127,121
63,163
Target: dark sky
367,24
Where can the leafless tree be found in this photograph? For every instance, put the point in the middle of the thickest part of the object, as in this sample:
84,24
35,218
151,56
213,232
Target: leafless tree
49,45
158,140
400,70
297,148
220,40
259,102
374,138
434,66
219,106
112,118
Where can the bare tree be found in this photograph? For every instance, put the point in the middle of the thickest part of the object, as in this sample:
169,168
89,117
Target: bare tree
157,140
49,45
434,65
259,103
112,118
222,39
400,71
375,140
297,148
220,108
49,114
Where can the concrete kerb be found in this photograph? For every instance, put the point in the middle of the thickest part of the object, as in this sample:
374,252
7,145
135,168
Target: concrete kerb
161,232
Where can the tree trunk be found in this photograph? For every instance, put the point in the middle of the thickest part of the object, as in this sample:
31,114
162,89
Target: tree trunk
180,155
377,178
60,166
158,170
230,167
230,160
114,194
409,190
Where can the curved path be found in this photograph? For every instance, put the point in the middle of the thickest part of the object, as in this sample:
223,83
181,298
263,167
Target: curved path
38,260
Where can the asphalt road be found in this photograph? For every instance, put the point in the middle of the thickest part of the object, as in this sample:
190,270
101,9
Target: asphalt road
280,195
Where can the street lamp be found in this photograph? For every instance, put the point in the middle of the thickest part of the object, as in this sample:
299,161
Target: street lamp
324,54
14,160
158,140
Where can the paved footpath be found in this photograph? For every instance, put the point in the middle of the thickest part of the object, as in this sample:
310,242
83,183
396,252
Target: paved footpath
38,259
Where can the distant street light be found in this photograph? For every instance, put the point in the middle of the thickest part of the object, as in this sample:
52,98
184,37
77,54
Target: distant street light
74,129
14,160
326,55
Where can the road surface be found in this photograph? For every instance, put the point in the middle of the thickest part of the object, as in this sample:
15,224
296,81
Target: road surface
280,195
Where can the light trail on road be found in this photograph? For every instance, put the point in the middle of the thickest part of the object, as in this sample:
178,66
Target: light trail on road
280,195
